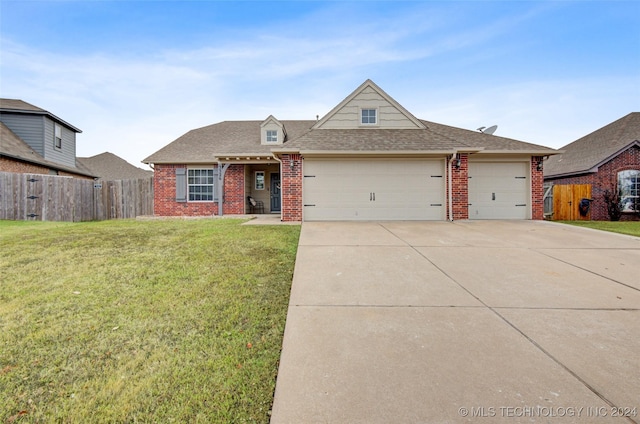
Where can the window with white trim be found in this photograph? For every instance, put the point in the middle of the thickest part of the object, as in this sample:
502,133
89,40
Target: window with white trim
259,180
200,183
57,136
629,188
368,116
272,136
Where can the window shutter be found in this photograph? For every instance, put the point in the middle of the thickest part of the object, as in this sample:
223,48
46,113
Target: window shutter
181,184
216,182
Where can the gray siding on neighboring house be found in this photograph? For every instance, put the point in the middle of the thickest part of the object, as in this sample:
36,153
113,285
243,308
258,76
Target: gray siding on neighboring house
29,128
67,154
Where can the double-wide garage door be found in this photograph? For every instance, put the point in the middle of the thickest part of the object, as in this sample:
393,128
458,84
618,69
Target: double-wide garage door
499,190
380,189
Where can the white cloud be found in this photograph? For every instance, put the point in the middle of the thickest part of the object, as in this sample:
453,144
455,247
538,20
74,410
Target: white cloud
133,105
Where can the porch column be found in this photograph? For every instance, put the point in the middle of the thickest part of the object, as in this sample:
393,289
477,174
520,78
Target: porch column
222,169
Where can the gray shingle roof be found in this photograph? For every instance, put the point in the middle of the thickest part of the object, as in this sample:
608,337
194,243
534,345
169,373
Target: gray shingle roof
14,147
111,167
237,138
592,150
20,106
225,138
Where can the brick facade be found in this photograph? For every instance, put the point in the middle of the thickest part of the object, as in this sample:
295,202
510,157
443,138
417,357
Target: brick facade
291,191
460,189
291,187
20,167
605,179
164,193
537,188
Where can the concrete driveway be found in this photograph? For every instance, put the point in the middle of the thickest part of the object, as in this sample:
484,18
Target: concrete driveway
470,321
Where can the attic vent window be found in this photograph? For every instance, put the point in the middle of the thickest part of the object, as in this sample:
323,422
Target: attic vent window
369,117
272,136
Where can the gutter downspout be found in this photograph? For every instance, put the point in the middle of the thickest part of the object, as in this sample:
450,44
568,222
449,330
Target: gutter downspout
275,156
450,183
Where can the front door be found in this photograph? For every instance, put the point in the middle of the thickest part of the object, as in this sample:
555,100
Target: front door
275,192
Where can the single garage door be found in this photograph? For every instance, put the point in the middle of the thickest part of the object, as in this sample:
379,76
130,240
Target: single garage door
381,189
499,190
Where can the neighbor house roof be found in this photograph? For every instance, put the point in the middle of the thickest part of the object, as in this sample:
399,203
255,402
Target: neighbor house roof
586,154
111,167
14,147
20,106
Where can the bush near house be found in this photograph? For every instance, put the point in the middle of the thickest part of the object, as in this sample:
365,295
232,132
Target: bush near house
142,321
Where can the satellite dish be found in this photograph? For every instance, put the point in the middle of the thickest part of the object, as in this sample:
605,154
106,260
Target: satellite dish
491,129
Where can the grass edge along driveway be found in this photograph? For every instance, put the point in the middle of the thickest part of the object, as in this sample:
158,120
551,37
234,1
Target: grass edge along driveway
142,321
630,228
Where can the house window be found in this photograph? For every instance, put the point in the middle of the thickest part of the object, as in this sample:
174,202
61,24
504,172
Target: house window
57,136
368,117
629,187
200,184
259,180
272,136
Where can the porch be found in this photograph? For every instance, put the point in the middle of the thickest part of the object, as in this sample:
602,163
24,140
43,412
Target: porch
262,183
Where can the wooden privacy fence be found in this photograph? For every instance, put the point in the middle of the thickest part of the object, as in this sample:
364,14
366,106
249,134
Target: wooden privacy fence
566,201
54,198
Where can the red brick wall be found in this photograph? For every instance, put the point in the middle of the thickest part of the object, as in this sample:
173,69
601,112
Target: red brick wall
537,189
606,179
10,165
164,199
291,188
234,200
460,189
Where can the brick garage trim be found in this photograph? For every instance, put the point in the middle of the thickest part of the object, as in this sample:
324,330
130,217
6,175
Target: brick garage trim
164,194
606,178
459,189
291,183
537,188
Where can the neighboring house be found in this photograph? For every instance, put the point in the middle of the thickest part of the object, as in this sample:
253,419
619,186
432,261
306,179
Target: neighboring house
108,166
33,140
608,159
367,159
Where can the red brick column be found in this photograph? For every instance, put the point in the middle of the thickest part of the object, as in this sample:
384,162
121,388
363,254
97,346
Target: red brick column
291,187
460,189
537,191
234,200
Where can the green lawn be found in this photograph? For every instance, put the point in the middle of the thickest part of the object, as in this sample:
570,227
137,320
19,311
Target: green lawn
142,321
624,227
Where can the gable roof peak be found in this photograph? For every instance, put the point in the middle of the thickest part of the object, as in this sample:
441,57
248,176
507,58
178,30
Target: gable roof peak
271,118
368,83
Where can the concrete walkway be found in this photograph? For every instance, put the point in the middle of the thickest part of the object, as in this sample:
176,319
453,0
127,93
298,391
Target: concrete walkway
471,321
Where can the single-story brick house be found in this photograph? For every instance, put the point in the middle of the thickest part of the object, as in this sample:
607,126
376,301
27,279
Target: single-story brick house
367,159
608,159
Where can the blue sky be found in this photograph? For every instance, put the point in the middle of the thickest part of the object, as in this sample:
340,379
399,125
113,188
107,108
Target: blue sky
134,76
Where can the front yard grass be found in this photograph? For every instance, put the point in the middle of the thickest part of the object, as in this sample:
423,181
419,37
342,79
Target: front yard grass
142,321
631,228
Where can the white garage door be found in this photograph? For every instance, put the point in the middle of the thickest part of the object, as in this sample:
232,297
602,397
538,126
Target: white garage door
499,190
384,189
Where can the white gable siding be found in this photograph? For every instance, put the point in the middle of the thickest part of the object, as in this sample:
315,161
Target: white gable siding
388,115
